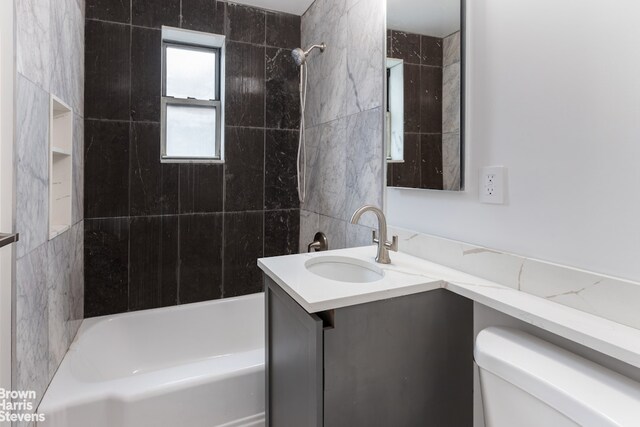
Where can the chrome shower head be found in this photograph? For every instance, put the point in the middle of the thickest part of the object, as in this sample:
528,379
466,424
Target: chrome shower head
300,56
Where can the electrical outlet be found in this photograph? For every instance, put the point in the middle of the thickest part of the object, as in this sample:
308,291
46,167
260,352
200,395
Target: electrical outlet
492,183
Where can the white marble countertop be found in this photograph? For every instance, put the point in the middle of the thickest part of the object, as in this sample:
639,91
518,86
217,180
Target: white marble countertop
408,275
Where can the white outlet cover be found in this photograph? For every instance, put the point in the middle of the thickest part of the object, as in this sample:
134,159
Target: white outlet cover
492,184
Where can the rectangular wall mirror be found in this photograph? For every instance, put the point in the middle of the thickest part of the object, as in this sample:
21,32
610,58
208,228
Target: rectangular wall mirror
424,125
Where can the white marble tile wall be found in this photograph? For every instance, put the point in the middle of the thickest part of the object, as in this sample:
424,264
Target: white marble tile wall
49,273
451,113
608,297
345,119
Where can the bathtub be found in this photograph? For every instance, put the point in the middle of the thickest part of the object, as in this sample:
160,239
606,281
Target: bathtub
192,365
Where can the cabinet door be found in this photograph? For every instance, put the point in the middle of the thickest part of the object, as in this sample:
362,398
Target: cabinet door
294,357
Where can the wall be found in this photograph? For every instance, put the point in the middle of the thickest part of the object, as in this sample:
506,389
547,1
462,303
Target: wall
165,234
545,101
423,114
451,79
49,273
344,118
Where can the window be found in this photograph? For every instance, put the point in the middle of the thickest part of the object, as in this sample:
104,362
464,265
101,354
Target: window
192,96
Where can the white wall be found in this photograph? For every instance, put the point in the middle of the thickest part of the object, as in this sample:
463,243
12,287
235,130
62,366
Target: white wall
553,95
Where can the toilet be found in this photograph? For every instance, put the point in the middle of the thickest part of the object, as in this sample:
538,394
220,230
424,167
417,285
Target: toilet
528,382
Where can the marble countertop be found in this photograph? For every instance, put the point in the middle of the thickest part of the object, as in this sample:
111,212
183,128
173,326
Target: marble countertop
408,275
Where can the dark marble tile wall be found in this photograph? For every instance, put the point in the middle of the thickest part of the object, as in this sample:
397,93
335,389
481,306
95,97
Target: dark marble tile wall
423,57
164,234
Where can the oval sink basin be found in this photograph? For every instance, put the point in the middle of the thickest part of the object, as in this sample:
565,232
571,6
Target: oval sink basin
344,269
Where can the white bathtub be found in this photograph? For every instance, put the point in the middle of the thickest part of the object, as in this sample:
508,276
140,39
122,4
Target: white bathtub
191,365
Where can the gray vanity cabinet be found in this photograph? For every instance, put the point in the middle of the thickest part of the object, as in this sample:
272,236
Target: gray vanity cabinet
404,361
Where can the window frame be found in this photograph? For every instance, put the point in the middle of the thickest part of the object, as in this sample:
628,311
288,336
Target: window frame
195,40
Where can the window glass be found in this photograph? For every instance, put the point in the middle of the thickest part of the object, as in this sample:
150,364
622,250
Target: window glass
191,131
190,72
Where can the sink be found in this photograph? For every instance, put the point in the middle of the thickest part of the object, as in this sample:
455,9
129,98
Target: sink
344,269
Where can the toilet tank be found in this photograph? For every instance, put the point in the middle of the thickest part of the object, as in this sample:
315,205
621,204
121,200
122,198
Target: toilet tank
528,382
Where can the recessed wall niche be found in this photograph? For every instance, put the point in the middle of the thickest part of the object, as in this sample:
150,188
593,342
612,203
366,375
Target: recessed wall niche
60,167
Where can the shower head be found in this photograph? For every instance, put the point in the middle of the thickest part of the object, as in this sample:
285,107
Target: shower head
300,56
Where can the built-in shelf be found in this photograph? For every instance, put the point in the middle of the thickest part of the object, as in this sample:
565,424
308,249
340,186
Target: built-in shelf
60,167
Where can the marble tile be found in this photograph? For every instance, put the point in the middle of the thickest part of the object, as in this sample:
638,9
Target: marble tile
326,21
201,188
406,46
309,223
33,45
281,232
451,161
359,235
245,24
244,169
59,302
146,80
335,230
431,161
283,30
67,53
78,170
154,14
282,90
364,157
201,243
32,173
451,49
412,98
31,327
407,173
203,15
431,51
280,175
245,85
430,99
243,245
109,10
451,98
365,59
76,297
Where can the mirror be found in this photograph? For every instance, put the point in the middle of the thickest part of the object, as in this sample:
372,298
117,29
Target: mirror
424,134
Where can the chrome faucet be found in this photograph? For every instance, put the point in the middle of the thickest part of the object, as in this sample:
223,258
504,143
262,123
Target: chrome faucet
383,244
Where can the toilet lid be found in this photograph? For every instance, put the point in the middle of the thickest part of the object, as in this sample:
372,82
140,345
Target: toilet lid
584,391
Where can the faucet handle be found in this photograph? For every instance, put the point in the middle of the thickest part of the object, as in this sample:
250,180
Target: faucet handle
375,237
393,245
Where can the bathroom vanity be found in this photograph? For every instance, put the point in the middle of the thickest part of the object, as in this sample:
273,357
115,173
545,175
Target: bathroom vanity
365,360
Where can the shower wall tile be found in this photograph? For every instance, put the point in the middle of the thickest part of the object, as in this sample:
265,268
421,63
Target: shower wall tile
430,99
146,80
431,161
203,15
107,69
245,24
76,295
106,253
451,49
407,174
200,258
201,188
282,93
241,249
109,10
451,98
176,212
309,225
364,158
411,98
59,260
153,185
106,169
359,235
406,46
244,169
282,30
281,232
365,74
335,230
32,172
451,161
31,362
431,51
245,85
281,152
153,262
67,53
77,206
154,14
33,40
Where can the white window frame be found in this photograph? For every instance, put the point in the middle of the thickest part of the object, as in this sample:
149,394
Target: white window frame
187,39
